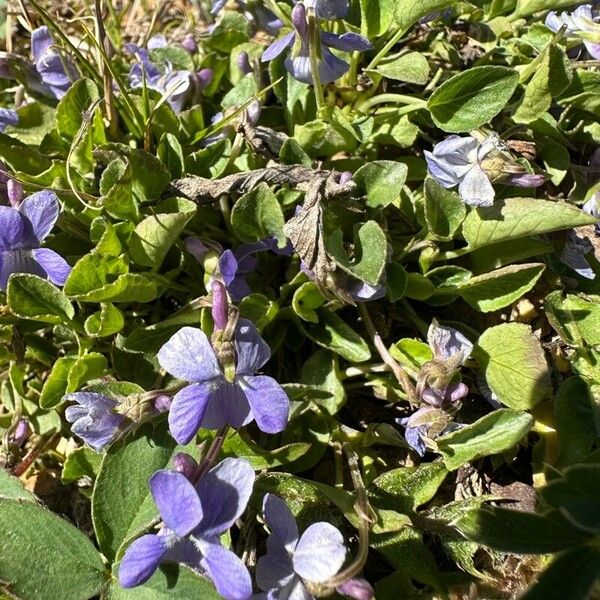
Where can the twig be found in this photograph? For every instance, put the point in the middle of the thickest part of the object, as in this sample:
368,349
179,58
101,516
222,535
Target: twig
387,358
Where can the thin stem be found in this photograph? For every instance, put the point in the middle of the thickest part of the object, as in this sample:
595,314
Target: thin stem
412,102
384,51
362,509
213,453
314,46
387,358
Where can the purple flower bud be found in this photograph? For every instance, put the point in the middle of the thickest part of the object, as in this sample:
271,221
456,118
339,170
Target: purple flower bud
243,62
204,78
253,112
189,43
299,20
21,433
219,305
185,464
14,191
345,177
356,588
162,403
526,180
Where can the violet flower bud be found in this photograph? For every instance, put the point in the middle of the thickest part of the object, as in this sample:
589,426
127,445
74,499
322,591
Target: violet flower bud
299,20
21,433
356,588
525,180
220,303
345,177
14,191
162,403
243,62
185,464
189,43
204,77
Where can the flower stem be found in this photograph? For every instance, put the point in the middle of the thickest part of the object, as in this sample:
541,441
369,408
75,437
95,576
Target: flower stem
314,44
213,453
387,358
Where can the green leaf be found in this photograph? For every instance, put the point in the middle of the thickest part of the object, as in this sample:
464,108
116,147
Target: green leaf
332,333
525,8
381,181
407,488
35,121
171,154
169,581
307,298
122,506
520,217
239,445
576,319
103,278
55,386
36,541
320,371
514,365
370,252
500,288
492,434
31,297
11,488
472,98
408,12
258,215
376,16
153,236
82,462
85,368
515,531
557,580
575,421
576,495
444,210
107,321
410,68
73,105
552,75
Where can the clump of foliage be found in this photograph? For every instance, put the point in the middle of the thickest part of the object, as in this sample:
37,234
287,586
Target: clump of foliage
300,300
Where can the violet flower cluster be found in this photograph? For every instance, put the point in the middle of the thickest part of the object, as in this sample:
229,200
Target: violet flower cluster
52,72
195,515
22,231
298,62
180,85
439,386
583,23
222,390
473,165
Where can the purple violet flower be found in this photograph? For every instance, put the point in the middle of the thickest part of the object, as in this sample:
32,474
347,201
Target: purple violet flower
315,556
8,117
22,231
233,266
457,161
574,255
94,418
356,588
298,63
52,72
179,84
582,23
461,161
591,207
219,394
194,517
